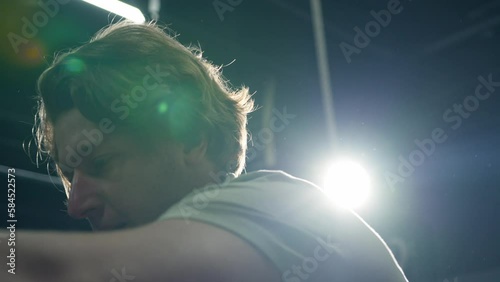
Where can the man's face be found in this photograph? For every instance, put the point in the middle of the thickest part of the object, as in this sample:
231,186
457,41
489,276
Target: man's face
116,183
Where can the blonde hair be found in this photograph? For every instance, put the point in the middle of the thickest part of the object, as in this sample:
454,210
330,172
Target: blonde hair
195,100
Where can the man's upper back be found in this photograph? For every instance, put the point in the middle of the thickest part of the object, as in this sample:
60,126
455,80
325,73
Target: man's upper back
294,226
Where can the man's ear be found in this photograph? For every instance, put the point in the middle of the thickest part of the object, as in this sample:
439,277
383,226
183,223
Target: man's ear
197,153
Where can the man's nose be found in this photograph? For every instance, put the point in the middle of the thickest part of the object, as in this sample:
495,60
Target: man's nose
83,199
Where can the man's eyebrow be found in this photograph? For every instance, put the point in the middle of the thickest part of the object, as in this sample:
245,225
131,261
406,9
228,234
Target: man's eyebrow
95,150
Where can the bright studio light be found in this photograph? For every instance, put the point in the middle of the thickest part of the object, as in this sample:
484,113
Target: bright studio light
119,8
347,183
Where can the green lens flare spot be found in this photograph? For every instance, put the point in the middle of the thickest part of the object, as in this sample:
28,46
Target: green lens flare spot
162,108
75,65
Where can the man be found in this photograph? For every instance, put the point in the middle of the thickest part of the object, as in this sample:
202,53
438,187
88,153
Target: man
150,143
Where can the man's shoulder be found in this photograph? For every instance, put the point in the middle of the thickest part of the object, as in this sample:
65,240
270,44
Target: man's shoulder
284,217
268,182
271,176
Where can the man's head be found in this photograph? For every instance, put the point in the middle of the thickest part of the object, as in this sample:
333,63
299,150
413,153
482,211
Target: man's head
134,121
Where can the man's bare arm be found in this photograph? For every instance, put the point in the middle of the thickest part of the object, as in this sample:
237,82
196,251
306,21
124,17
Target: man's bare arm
171,250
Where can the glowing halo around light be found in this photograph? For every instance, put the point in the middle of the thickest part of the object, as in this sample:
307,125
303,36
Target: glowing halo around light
347,183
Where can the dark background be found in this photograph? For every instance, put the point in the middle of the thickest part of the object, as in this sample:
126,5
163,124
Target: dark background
442,221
